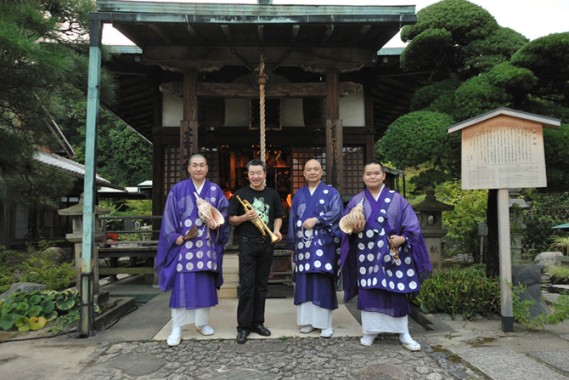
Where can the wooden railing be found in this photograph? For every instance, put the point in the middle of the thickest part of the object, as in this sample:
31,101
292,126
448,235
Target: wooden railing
130,244
135,250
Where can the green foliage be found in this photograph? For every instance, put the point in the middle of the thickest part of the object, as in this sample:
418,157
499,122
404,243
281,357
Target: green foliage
123,156
39,185
420,139
38,58
65,321
462,222
557,157
561,244
477,66
478,95
558,274
546,211
6,268
36,264
429,50
436,97
43,66
521,310
548,58
513,79
483,54
33,310
466,21
460,291
417,137
443,34
129,207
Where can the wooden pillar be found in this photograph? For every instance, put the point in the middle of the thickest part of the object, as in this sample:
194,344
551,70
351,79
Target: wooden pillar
334,131
506,307
88,251
189,123
369,125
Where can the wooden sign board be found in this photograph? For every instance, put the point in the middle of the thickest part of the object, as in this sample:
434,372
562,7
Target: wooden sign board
503,150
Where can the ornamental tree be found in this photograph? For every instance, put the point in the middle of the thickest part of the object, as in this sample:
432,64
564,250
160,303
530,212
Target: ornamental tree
475,66
40,56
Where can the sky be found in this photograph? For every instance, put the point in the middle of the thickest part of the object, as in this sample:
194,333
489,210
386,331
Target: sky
532,18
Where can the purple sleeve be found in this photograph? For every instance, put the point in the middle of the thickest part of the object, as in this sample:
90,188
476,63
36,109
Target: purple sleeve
406,224
348,256
333,213
292,221
167,248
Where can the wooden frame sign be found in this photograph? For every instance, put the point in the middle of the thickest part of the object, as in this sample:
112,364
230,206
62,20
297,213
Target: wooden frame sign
503,149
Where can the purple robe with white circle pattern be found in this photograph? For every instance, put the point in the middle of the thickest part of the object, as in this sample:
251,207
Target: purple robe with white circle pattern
370,270
316,251
192,270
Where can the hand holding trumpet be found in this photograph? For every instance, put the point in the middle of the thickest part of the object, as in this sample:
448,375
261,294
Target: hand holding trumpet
251,215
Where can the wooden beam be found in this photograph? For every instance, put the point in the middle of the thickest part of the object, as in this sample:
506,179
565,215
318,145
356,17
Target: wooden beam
319,59
334,131
276,90
126,270
189,126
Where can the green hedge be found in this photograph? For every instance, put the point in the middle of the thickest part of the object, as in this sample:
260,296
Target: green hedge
460,291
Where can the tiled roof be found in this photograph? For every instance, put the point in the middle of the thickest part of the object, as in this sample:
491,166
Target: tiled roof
74,168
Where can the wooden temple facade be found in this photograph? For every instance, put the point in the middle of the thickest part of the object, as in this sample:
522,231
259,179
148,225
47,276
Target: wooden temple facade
201,76
284,83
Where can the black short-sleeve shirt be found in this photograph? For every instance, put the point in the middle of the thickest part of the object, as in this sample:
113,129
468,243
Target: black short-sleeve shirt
267,204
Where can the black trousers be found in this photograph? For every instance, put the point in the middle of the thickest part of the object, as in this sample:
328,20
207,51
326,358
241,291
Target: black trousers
255,260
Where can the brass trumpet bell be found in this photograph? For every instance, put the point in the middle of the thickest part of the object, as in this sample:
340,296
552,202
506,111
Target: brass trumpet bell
258,222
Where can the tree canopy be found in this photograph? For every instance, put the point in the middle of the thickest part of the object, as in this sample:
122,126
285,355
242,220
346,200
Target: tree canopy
37,61
44,66
476,66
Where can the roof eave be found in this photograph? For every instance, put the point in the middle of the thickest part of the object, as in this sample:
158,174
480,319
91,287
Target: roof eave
544,120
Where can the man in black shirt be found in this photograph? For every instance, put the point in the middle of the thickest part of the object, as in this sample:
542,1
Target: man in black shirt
255,249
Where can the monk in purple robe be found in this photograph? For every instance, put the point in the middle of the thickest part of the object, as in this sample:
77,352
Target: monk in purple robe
384,259
314,234
190,248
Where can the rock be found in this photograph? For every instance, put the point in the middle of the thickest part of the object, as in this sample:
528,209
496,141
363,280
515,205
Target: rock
21,287
548,259
530,276
58,254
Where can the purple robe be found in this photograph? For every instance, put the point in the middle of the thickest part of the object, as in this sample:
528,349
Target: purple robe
370,270
316,251
192,270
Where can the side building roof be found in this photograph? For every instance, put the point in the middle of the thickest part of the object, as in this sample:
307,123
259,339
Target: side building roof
71,167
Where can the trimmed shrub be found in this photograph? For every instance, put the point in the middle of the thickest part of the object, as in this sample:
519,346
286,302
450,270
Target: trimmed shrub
465,291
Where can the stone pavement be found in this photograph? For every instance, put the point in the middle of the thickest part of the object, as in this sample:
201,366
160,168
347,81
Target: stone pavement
133,348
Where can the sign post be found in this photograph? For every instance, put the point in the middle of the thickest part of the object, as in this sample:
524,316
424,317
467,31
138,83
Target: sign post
503,149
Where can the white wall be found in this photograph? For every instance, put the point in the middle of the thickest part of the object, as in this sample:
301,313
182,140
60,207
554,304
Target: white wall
172,110
352,111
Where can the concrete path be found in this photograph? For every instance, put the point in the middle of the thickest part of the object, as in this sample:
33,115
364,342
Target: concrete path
134,348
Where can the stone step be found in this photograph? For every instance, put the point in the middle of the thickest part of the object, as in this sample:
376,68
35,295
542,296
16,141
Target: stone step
113,310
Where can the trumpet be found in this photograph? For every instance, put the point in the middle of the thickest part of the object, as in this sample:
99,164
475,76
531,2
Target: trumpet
258,222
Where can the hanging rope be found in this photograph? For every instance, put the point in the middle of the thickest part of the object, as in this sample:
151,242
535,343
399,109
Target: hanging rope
262,82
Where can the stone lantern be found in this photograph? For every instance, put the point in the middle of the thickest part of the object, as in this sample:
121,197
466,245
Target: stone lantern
430,217
76,237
